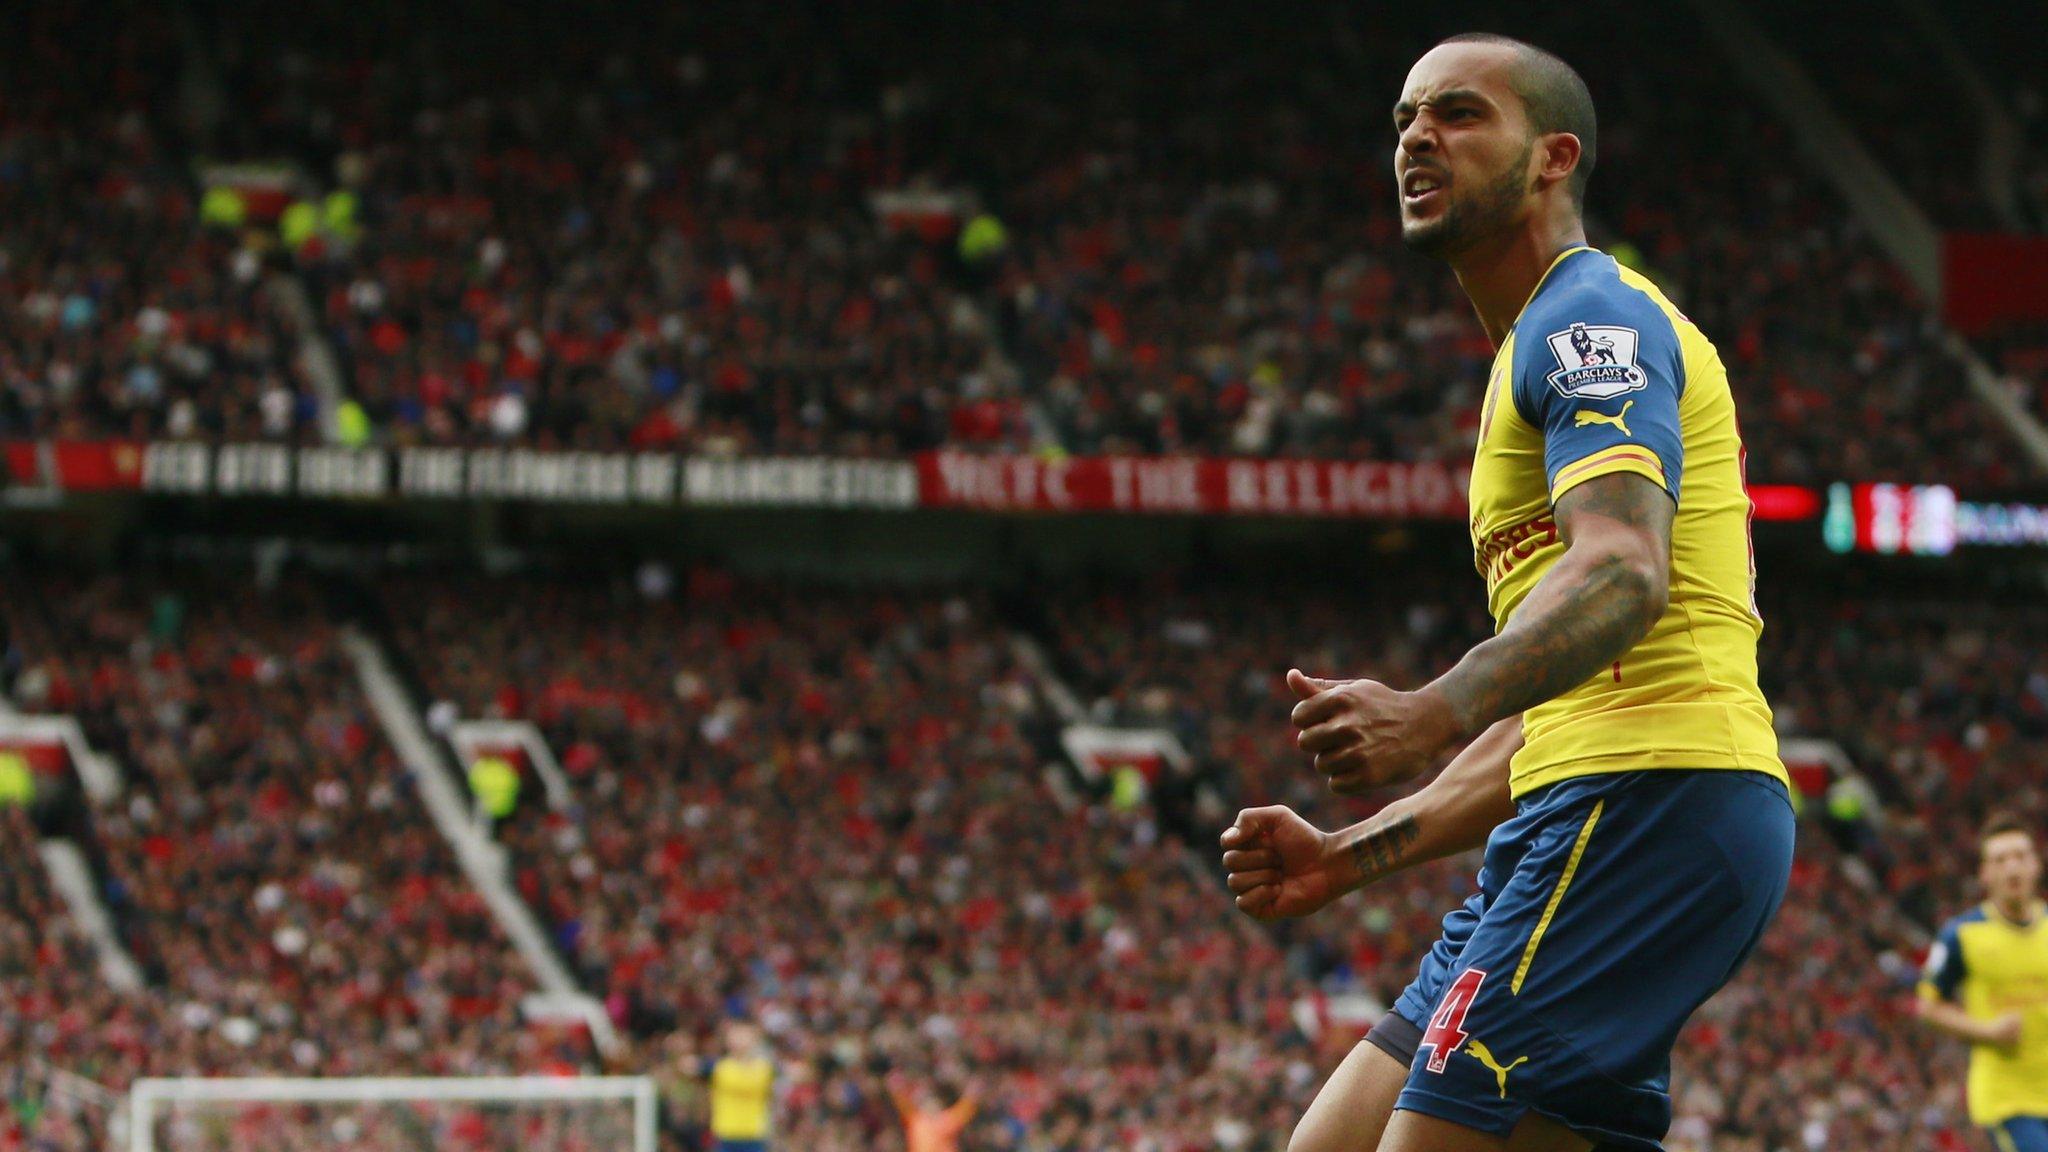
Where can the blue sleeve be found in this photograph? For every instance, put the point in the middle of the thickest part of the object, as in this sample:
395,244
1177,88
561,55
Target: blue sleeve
1943,974
1600,375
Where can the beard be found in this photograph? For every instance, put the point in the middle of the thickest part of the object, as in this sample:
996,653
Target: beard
1468,222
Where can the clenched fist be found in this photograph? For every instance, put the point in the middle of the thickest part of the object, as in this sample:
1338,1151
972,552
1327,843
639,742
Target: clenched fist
1280,866
1364,734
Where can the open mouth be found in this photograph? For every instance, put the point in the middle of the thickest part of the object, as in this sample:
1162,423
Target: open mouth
1421,186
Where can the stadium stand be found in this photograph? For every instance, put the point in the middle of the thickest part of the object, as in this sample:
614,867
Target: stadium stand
1187,263
1995,45
1904,79
1902,100
268,865
57,1012
839,811
2019,353
904,893
851,842
1205,663
1942,706
121,312
1946,708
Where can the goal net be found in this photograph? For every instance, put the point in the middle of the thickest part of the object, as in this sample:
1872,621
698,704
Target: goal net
393,1114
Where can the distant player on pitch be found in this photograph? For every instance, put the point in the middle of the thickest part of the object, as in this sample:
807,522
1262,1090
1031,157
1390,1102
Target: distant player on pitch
1623,774
1987,982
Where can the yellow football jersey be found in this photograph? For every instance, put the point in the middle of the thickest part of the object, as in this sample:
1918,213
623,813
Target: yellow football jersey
1992,966
741,1098
1600,374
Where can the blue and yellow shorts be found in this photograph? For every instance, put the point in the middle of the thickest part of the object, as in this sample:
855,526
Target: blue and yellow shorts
1608,909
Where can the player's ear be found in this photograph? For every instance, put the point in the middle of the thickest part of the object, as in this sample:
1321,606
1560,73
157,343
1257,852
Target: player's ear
1558,154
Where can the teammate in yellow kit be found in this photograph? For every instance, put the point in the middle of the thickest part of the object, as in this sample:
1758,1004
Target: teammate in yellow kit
1987,982
1622,771
742,1092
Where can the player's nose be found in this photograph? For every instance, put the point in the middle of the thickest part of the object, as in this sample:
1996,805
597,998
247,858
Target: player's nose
1418,137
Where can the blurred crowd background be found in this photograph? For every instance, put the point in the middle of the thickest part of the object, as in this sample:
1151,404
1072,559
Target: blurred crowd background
825,811
842,810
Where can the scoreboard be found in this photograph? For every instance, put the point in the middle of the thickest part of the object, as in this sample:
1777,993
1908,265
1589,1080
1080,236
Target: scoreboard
1924,520
1891,519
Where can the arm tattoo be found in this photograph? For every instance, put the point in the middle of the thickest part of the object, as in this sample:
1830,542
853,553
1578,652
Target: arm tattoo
1584,614
1380,850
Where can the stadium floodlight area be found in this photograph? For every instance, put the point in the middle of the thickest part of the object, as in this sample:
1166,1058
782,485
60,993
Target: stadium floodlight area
536,1113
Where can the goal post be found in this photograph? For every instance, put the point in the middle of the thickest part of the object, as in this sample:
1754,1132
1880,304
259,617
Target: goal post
151,1101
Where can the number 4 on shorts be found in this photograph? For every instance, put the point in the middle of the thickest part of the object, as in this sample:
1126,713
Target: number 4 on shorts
1446,1033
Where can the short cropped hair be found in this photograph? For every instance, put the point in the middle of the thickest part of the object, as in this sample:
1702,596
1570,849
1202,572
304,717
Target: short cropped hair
2001,823
1556,98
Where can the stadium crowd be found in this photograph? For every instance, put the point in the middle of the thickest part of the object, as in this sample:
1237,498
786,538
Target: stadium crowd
1945,708
827,811
121,315
839,812
849,840
2018,352
1189,263
50,988
587,240
1815,1044
1902,75
267,863
1896,94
